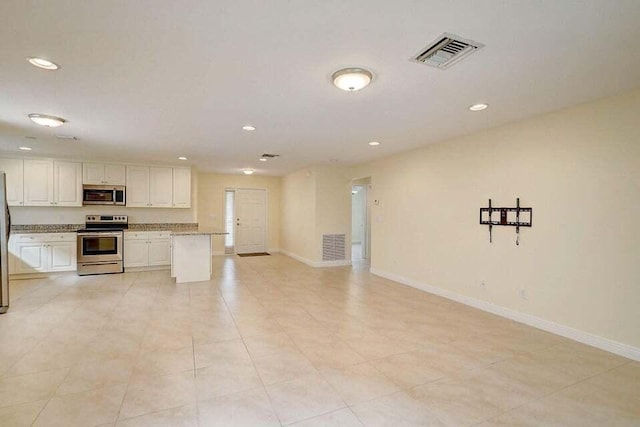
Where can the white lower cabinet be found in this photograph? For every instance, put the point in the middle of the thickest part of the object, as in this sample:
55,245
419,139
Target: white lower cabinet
159,251
136,253
62,256
42,252
147,248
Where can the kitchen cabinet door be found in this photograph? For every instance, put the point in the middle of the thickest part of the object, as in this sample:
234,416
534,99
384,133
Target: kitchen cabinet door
181,187
136,253
67,183
161,187
62,256
115,174
137,186
93,173
31,257
38,183
160,252
14,168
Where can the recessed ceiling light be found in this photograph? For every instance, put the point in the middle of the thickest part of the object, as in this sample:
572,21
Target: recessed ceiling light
182,158
248,171
43,63
374,143
351,79
263,159
248,127
478,107
25,148
45,120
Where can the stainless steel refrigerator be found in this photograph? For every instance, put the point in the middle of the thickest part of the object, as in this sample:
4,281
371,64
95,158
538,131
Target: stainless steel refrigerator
5,226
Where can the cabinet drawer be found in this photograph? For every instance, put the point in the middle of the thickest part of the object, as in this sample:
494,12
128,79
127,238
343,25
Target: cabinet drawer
32,237
136,235
159,234
44,237
62,237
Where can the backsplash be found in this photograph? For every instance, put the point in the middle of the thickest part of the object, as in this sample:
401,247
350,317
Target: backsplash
46,215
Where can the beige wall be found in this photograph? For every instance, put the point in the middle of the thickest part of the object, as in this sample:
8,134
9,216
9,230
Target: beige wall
315,201
578,266
211,203
333,205
298,214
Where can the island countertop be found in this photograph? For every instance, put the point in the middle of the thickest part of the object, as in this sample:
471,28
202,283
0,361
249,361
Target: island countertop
198,233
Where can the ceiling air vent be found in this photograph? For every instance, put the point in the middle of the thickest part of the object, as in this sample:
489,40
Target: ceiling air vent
446,50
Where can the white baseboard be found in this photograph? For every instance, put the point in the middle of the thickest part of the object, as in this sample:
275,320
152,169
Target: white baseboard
315,264
218,253
537,322
147,268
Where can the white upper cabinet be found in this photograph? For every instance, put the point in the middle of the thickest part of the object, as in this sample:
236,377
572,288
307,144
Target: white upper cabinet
103,174
67,183
115,174
150,186
161,187
38,183
181,187
137,186
14,168
49,182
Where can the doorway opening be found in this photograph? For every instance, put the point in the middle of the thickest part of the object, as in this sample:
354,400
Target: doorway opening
360,220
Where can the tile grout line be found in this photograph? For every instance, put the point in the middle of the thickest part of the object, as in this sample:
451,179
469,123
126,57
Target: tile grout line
544,396
124,396
233,319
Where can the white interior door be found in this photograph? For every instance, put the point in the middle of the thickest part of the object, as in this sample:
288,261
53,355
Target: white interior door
251,221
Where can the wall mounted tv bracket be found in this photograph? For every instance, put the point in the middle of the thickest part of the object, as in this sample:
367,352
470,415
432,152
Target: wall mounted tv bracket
516,217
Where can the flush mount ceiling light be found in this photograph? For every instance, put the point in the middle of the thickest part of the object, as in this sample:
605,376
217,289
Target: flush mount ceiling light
374,143
263,159
43,63
25,148
478,107
182,158
45,120
248,171
351,79
248,128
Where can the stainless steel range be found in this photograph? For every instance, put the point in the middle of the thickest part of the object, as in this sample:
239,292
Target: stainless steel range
100,244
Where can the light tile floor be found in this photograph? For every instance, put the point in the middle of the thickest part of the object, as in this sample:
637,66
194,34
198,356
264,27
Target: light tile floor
270,341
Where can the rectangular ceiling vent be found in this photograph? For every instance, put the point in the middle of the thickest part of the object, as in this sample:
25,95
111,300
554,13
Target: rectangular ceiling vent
446,50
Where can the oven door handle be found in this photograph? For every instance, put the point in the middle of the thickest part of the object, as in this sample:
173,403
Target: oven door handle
101,234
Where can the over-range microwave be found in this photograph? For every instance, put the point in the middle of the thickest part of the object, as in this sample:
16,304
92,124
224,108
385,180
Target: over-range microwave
103,195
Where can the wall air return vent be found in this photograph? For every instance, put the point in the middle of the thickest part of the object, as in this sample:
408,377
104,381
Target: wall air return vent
446,50
333,247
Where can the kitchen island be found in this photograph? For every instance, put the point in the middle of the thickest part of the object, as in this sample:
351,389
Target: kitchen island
191,255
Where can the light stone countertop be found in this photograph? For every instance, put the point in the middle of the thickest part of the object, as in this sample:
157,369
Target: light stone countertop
198,233
72,228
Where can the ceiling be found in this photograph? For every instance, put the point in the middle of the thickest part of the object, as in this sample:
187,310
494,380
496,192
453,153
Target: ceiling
151,80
